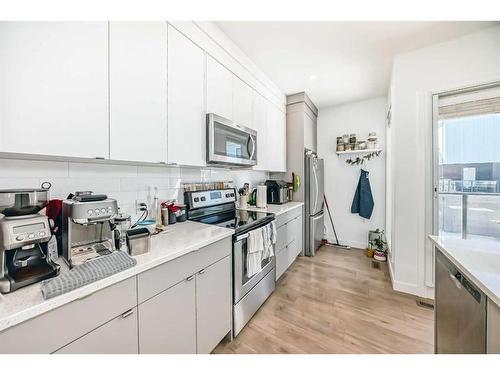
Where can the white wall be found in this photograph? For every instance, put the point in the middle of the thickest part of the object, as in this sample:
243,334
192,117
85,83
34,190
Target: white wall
126,183
462,62
341,179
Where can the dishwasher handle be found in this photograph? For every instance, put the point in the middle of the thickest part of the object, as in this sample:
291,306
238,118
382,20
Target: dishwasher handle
462,282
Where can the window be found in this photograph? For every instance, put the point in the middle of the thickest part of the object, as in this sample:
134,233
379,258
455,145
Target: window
468,146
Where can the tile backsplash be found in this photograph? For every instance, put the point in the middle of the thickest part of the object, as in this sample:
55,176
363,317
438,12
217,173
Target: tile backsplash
125,183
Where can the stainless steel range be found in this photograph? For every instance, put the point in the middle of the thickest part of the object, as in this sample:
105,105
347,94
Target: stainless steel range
217,207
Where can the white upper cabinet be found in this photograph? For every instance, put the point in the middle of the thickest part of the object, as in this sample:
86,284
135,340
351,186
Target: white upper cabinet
242,102
138,91
186,110
219,89
54,88
276,139
259,123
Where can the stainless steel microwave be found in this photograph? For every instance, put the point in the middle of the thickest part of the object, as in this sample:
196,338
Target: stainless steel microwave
229,143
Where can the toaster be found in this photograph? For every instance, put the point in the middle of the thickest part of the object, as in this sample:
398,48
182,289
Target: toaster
277,191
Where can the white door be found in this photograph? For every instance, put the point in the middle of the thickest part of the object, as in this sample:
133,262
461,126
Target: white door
213,304
54,88
219,89
167,322
186,110
118,336
259,123
138,91
276,139
242,102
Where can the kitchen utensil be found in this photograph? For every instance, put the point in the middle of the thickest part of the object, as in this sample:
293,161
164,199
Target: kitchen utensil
138,241
122,223
243,202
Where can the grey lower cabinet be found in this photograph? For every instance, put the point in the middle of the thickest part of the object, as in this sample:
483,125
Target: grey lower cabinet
118,336
192,316
167,322
181,306
289,242
213,305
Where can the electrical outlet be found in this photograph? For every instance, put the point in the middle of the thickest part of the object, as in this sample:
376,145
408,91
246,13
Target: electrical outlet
140,206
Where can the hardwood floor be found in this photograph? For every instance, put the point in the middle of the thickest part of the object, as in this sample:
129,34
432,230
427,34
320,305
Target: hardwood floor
336,302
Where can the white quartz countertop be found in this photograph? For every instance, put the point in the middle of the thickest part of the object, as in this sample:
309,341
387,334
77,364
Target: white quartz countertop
276,209
479,260
177,240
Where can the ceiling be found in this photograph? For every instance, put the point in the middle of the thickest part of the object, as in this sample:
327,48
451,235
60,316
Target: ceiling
336,62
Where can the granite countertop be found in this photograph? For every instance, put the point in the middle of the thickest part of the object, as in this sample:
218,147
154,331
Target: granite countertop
177,240
479,260
276,209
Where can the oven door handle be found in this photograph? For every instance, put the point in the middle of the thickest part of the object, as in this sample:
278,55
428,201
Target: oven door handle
241,237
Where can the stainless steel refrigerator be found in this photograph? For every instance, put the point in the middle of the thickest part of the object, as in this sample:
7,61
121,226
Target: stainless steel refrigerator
314,199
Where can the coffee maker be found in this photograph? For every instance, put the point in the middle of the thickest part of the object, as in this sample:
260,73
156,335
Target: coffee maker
88,227
24,234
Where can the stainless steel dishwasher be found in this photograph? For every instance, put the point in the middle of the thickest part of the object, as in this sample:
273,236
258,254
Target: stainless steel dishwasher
460,311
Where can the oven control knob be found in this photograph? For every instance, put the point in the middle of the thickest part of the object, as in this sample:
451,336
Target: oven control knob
20,238
31,235
228,195
103,210
90,212
196,199
41,234
203,199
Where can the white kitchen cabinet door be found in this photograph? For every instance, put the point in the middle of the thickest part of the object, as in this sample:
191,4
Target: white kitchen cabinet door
219,89
276,139
138,91
259,123
242,103
54,88
213,304
167,322
118,336
186,103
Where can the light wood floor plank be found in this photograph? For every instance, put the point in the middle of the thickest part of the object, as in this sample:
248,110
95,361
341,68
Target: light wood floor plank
336,302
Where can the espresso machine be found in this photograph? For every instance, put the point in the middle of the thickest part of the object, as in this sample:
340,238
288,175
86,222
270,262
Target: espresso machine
88,227
24,234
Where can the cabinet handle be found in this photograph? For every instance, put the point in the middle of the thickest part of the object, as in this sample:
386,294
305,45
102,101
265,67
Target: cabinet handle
127,313
100,157
190,278
201,272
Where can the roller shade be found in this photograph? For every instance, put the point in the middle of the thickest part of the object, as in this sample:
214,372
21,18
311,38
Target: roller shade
470,103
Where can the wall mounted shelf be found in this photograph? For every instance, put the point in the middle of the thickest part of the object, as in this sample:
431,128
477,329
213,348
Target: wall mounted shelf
358,152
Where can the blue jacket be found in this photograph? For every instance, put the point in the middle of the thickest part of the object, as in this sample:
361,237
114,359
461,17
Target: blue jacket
362,203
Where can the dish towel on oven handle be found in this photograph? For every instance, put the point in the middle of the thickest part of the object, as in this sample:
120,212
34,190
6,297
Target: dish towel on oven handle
255,249
269,234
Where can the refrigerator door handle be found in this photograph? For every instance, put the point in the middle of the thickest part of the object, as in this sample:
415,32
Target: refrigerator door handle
317,190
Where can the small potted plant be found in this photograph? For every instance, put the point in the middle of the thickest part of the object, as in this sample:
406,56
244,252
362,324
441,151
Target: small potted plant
380,247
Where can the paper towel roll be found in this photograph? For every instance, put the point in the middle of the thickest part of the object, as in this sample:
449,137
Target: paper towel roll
261,196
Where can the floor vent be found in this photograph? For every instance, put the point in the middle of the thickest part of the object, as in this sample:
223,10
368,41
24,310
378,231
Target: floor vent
424,304
376,265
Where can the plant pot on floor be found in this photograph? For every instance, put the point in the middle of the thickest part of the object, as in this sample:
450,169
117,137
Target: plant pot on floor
380,256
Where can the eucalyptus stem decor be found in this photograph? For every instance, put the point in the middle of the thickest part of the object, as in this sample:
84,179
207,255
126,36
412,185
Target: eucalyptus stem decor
361,160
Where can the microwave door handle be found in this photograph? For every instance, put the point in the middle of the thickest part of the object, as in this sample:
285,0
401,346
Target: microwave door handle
250,138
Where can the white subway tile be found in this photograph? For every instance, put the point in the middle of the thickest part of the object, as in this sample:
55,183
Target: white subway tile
19,183
101,170
32,168
191,175
144,183
158,171
61,187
